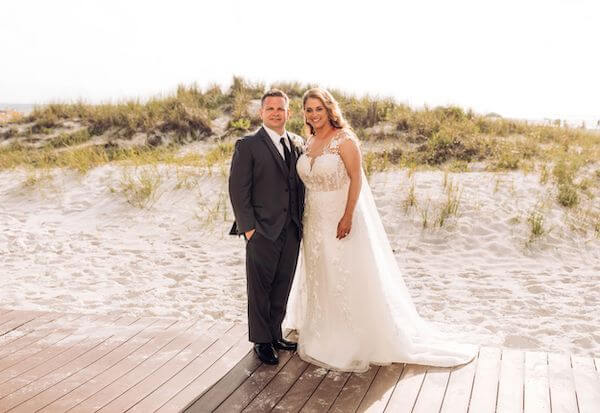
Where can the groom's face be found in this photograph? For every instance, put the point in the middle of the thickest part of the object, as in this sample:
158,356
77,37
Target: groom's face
274,113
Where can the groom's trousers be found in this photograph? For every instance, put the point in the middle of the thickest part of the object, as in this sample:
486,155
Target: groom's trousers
270,267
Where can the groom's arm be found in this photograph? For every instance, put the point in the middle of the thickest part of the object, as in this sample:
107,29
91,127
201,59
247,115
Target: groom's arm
240,186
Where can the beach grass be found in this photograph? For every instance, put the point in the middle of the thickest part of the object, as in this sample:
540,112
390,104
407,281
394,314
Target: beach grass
535,219
212,212
425,215
410,202
140,185
445,137
450,206
439,136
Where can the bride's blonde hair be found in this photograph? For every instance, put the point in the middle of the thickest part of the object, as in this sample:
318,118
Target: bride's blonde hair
336,119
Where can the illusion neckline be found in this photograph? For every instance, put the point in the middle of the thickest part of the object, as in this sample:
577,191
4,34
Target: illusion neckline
325,147
311,160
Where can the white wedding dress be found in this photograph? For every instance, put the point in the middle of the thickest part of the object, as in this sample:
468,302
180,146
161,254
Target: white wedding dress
348,303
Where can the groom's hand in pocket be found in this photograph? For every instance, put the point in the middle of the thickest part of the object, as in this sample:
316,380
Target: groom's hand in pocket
249,234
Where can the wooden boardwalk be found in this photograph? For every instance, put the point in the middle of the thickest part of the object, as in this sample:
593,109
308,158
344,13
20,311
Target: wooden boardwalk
52,362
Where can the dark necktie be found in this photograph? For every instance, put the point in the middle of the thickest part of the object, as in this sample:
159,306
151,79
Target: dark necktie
286,153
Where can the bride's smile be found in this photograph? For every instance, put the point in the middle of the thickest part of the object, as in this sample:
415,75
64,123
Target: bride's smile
316,114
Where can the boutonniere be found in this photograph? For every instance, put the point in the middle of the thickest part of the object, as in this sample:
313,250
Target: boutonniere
298,142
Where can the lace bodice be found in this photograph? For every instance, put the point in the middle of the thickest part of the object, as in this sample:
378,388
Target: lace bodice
325,171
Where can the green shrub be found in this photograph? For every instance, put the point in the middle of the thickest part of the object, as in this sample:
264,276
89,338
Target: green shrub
242,124
508,159
567,195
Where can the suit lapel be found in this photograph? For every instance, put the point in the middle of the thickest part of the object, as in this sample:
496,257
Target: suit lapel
278,158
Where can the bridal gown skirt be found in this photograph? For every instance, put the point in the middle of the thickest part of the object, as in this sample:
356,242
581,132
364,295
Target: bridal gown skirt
349,304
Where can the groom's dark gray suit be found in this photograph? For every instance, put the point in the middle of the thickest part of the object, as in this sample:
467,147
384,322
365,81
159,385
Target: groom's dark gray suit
268,197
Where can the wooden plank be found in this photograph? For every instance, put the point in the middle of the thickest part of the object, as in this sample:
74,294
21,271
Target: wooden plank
136,374
32,336
19,320
7,316
152,392
90,372
244,394
510,389
277,388
381,389
460,385
81,347
127,320
407,389
8,389
354,391
537,390
326,393
236,374
433,390
34,355
300,392
485,386
203,372
587,384
34,396
89,388
562,385
33,325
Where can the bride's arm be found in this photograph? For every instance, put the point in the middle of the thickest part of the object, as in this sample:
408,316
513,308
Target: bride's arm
350,155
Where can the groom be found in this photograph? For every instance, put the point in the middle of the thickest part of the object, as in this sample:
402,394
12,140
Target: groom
268,199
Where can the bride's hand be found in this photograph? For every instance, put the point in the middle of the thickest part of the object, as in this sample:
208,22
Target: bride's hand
344,227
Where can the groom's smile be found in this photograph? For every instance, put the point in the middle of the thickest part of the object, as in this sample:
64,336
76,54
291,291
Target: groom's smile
274,113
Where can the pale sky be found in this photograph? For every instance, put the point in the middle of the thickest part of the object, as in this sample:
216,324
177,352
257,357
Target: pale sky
527,59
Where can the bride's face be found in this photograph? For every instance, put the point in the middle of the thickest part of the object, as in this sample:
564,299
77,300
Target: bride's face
315,113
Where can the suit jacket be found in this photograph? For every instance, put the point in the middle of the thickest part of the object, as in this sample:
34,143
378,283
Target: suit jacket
260,185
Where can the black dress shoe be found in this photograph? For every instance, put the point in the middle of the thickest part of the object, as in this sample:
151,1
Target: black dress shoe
283,344
266,353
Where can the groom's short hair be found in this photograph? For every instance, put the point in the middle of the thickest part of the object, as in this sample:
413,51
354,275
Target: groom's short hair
275,93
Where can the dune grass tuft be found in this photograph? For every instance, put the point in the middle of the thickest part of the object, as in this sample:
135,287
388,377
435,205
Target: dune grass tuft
451,204
411,199
536,224
212,212
140,186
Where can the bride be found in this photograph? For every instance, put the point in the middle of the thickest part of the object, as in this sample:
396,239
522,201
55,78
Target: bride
349,304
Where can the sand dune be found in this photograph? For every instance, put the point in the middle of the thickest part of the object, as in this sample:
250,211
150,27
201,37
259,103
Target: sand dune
73,243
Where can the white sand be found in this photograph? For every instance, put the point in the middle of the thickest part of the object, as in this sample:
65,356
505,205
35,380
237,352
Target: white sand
71,244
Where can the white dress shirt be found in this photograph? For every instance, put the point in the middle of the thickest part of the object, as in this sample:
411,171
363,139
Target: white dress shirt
275,137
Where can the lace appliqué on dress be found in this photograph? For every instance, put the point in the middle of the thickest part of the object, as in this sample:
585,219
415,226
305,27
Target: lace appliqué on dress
350,305
326,171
